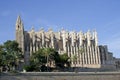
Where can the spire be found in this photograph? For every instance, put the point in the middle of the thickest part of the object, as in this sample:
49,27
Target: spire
19,24
19,21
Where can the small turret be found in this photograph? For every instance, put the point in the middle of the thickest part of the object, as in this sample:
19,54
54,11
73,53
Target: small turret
88,37
95,37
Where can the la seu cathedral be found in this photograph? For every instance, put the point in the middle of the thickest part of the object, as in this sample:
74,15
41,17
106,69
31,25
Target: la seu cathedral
93,55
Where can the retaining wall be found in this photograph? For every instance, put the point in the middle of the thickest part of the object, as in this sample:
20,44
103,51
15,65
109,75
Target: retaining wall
61,76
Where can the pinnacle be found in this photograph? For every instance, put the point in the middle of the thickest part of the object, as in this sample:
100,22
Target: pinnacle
18,20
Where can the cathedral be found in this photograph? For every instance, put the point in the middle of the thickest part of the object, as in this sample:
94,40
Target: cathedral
82,45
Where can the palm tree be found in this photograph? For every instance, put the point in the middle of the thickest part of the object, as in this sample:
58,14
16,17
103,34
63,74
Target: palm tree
48,54
64,59
41,57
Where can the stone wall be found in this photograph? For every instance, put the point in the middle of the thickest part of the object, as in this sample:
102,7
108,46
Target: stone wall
61,76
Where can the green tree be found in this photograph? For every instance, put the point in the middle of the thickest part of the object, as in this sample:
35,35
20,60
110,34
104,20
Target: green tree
81,52
48,55
2,57
13,54
62,60
42,57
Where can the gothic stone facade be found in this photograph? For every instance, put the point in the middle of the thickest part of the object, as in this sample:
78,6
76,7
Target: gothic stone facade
63,42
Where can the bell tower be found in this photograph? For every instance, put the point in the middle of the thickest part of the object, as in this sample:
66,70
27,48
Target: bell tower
20,33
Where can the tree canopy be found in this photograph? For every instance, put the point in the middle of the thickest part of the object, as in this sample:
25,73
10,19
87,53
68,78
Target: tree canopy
10,55
44,58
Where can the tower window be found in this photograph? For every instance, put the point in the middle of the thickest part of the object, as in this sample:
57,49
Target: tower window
18,27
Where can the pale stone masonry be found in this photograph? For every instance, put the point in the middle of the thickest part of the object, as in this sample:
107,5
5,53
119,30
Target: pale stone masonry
64,42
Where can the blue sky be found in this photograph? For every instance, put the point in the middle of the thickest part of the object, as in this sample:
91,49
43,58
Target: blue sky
102,15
